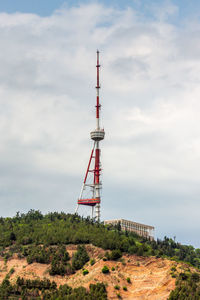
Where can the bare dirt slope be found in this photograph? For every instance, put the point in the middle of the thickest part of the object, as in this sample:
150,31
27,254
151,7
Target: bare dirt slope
150,276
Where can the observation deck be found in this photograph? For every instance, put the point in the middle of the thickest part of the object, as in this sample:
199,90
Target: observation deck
97,135
90,202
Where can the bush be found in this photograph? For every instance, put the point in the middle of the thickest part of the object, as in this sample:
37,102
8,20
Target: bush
104,259
12,236
12,270
105,270
92,261
115,254
59,261
173,269
183,276
107,255
124,288
117,287
113,269
80,258
140,251
195,277
57,268
128,279
85,272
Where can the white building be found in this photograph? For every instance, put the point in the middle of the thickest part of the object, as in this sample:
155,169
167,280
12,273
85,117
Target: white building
141,229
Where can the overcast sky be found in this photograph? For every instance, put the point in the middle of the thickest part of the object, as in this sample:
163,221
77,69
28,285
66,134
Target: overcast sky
150,95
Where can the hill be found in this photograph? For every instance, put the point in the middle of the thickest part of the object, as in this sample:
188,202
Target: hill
64,256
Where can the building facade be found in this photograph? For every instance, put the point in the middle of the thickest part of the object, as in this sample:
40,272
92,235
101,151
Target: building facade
141,229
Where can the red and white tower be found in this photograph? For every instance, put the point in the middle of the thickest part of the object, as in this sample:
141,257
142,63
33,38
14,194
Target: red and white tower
94,165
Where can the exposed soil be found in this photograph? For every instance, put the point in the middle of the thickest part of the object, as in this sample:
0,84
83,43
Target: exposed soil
150,276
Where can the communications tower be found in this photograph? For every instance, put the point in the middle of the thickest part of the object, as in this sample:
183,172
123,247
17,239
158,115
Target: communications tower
94,165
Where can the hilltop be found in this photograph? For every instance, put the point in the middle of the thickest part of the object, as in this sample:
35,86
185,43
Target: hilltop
64,256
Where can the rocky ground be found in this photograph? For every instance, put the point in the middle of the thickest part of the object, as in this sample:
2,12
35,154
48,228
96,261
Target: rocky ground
150,277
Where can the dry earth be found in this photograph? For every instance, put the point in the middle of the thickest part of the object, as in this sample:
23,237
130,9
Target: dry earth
150,276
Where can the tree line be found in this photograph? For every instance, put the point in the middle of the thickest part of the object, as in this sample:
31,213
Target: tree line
34,228
45,289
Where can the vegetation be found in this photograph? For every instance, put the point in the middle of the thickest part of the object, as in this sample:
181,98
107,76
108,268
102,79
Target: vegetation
57,256
187,287
85,272
60,228
80,258
117,287
128,279
43,239
105,270
176,251
44,289
59,262
55,228
92,261
114,255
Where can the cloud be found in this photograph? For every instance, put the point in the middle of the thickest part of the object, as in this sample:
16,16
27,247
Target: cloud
150,104
163,11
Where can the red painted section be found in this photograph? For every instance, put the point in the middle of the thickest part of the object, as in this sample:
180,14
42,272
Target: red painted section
88,166
97,170
90,202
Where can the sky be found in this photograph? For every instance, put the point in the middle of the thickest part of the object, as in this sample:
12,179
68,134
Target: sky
150,88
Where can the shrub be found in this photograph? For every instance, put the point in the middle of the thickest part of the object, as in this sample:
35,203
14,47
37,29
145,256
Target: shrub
12,236
92,261
113,269
85,272
117,287
105,270
140,251
195,277
183,276
12,270
57,268
173,269
115,254
128,279
104,259
124,288
123,261
80,258
132,249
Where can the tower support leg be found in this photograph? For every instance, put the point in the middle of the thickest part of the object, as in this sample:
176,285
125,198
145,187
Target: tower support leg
92,212
76,210
97,212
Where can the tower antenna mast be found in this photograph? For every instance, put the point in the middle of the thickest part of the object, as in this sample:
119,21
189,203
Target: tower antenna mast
94,165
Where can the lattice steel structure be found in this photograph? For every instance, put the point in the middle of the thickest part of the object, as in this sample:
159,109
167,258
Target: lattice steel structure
94,165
